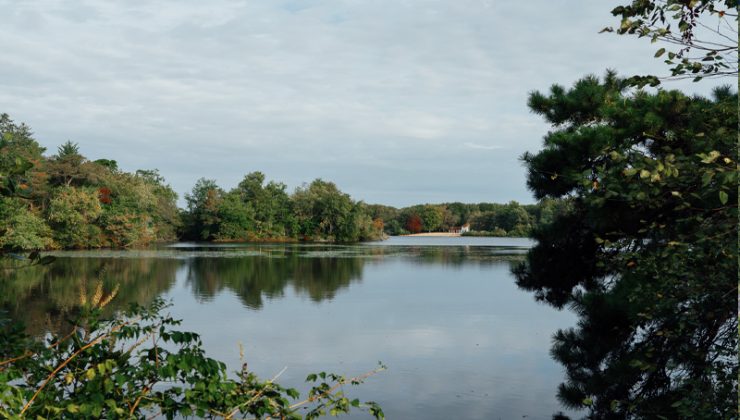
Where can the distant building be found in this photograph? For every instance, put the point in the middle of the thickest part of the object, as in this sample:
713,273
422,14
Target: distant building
460,229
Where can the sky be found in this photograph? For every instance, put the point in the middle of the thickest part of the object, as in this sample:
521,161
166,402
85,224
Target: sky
398,102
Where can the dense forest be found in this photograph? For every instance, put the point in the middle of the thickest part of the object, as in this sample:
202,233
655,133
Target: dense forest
257,211
68,201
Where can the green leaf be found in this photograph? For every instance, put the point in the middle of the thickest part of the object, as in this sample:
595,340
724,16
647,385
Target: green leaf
629,171
723,197
659,52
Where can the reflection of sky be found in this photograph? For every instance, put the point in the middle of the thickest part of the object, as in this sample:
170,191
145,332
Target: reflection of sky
456,241
460,341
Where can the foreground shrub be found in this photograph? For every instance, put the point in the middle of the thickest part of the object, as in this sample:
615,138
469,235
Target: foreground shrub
136,365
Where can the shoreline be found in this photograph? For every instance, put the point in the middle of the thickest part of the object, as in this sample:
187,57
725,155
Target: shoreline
438,234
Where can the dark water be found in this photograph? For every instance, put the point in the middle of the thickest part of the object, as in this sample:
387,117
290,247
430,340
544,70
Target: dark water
458,337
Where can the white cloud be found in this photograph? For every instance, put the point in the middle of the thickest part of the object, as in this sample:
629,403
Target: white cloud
482,146
298,90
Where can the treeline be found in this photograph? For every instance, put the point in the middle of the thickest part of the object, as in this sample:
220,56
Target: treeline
68,201
484,219
256,211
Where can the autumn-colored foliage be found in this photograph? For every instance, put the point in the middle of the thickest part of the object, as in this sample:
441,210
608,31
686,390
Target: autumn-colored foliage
414,224
104,195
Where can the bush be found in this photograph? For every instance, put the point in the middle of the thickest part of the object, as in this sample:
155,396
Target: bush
102,369
22,229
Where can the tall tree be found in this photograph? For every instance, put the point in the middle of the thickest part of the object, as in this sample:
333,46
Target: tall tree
269,203
431,217
70,168
236,218
646,253
323,211
203,203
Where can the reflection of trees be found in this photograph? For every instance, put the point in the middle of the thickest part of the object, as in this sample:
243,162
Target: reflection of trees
456,255
318,272
251,278
43,297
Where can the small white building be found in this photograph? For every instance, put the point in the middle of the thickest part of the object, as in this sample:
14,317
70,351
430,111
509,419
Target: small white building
460,229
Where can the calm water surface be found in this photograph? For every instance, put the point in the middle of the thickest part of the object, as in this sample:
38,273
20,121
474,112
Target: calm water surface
460,340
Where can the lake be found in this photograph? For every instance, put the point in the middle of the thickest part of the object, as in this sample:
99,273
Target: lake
460,340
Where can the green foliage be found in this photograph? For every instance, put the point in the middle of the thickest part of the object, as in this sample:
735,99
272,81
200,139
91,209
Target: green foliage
72,214
203,204
495,233
70,168
137,209
22,229
138,364
236,218
86,204
270,206
323,211
109,164
702,34
431,217
485,222
486,219
514,219
510,219
164,215
256,210
19,152
68,149
645,251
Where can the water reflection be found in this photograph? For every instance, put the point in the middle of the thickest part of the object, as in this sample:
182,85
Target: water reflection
252,278
43,297
461,340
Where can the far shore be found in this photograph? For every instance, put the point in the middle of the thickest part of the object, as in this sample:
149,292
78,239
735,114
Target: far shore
448,234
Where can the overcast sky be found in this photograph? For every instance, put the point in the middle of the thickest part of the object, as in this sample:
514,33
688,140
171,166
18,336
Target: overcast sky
397,102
